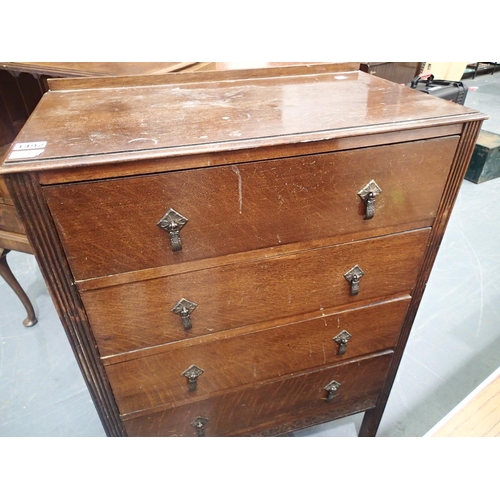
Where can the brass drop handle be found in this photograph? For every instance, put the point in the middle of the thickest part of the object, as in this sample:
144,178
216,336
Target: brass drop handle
199,424
332,389
173,222
353,276
192,373
368,195
342,338
370,205
184,308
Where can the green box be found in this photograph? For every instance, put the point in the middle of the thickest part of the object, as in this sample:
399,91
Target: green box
485,162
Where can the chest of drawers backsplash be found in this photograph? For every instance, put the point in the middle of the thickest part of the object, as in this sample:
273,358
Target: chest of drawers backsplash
238,253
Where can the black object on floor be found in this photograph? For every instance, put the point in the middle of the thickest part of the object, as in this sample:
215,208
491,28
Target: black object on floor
445,89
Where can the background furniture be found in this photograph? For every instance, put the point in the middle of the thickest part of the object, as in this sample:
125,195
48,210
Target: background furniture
485,162
480,68
398,72
452,71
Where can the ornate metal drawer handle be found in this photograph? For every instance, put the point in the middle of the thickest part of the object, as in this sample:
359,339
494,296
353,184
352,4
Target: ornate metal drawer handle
184,308
332,388
342,338
353,276
199,424
173,222
192,373
368,195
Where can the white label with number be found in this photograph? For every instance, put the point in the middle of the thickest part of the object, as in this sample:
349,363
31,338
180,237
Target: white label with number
23,146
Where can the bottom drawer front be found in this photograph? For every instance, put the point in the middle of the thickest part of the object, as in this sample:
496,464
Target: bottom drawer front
157,380
241,412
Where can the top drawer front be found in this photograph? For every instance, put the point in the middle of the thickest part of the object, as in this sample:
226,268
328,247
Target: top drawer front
110,227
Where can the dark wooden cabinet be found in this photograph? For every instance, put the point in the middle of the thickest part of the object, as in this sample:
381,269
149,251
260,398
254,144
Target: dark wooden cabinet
238,253
398,72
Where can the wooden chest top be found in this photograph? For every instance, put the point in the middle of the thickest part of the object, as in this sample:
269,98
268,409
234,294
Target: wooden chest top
148,118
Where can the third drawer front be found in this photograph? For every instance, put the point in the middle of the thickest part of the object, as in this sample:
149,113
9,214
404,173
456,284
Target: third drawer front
347,388
110,227
140,314
198,370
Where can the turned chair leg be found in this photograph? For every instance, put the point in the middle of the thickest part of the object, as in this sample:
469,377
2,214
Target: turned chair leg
7,275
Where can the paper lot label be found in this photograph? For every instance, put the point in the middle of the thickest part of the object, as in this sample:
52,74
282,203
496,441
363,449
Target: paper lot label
23,146
23,150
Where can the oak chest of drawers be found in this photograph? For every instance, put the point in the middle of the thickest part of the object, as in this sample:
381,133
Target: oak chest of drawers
243,252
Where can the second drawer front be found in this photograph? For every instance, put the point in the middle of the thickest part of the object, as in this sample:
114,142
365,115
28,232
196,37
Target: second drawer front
139,315
157,380
110,227
242,411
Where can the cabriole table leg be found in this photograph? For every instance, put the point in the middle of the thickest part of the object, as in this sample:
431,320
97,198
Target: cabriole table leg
11,280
